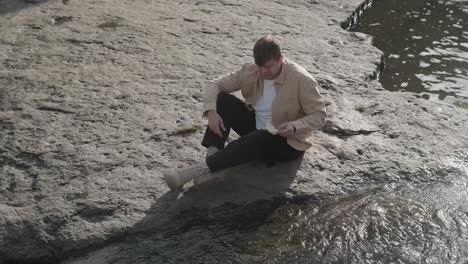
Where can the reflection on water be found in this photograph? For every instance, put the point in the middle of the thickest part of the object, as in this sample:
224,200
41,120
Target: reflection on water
422,219
425,44
391,224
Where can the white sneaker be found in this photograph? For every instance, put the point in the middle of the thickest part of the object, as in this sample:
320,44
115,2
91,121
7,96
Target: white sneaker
210,176
218,176
176,178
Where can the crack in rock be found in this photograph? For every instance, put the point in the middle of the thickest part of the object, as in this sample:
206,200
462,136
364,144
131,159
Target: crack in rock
94,213
24,161
333,129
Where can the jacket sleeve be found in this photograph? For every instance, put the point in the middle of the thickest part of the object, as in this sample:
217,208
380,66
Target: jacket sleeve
311,104
227,83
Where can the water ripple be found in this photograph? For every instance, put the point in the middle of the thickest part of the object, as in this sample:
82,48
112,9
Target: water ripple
424,44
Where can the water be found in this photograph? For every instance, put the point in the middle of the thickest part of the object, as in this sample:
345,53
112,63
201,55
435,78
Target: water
425,45
9,7
418,219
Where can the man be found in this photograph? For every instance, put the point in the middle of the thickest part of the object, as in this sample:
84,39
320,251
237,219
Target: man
282,106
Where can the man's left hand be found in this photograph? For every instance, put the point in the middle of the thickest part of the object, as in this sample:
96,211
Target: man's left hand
286,129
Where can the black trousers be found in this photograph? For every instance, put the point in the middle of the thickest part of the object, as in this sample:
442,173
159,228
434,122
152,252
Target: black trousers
252,145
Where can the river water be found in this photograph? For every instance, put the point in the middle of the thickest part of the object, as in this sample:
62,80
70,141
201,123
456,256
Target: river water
418,219
425,45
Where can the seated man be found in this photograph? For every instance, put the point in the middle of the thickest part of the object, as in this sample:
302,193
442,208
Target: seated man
282,106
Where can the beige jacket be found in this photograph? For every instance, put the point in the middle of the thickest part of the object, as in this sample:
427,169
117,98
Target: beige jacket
297,98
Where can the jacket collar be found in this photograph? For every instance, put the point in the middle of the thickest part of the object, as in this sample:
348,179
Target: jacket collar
282,76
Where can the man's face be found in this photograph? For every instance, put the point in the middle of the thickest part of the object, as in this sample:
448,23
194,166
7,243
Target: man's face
271,69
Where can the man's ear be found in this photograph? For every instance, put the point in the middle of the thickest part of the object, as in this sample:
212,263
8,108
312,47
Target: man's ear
281,59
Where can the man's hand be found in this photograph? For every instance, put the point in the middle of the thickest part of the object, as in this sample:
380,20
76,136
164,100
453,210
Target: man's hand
215,123
286,129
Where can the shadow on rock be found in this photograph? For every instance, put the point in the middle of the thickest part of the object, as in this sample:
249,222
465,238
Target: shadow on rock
204,225
241,185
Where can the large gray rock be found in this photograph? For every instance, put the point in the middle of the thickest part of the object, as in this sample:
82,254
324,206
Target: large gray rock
98,97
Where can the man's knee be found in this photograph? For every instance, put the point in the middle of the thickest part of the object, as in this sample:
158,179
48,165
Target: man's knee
259,137
223,98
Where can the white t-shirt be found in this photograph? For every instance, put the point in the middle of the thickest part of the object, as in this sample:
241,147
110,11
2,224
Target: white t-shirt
263,106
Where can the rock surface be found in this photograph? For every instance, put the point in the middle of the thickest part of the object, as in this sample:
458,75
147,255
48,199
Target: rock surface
98,97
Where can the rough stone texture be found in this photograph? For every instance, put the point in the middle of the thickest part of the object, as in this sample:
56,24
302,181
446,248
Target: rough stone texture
98,97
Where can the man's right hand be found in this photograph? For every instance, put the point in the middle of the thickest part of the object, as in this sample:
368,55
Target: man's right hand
215,123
